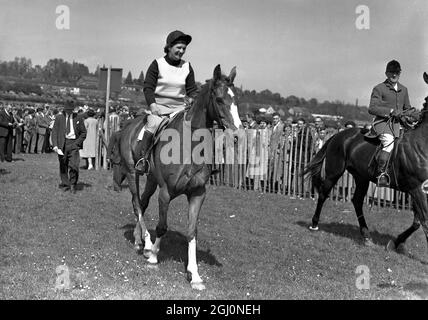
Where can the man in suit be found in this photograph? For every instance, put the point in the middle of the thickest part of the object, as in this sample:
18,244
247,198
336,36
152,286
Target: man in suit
7,124
113,154
68,134
42,122
275,148
277,129
30,131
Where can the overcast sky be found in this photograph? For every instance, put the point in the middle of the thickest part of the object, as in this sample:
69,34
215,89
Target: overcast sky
309,48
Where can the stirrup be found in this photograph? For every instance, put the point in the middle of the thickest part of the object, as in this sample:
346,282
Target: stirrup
146,164
382,183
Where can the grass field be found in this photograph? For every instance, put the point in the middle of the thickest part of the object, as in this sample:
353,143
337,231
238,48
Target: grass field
250,245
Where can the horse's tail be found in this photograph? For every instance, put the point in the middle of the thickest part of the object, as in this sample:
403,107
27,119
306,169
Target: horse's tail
316,167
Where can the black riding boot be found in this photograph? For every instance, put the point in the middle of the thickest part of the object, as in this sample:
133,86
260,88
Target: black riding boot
382,160
143,145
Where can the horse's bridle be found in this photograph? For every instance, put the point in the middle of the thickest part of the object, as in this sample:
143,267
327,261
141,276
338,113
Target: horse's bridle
216,112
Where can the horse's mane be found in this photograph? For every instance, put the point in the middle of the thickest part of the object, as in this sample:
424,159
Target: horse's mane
202,101
204,95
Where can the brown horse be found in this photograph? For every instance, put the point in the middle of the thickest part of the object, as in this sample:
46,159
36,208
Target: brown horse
350,150
179,166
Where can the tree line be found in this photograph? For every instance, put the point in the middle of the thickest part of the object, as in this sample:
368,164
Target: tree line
56,70
62,72
266,97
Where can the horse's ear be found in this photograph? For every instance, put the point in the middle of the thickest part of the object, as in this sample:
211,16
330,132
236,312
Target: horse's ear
426,77
217,73
232,74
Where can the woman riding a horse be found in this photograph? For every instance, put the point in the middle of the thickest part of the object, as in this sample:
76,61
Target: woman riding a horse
169,80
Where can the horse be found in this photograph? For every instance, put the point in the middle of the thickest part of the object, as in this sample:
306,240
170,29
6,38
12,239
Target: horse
350,150
215,102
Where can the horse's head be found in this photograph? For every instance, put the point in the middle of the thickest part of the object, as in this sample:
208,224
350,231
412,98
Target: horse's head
224,109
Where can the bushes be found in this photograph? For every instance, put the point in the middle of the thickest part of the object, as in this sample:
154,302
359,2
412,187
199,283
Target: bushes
26,88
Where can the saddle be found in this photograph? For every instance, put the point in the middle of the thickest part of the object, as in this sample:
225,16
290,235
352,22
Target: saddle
161,128
409,119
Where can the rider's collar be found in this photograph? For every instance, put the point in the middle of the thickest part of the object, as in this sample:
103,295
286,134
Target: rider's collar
171,62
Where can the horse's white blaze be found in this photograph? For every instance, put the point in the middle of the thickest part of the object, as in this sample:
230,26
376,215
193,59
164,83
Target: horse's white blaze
148,245
192,266
234,110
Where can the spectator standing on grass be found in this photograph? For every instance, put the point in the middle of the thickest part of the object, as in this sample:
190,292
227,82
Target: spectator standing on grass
89,145
18,131
301,151
275,138
68,134
42,123
7,123
275,146
320,140
30,131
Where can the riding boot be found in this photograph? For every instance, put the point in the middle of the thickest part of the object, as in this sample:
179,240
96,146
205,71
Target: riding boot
382,160
143,146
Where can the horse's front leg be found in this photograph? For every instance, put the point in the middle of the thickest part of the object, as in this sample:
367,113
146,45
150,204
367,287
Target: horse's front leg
164,200
196,200
420,211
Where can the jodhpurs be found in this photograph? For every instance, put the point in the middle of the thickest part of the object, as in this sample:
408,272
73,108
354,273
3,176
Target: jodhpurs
387,141
153,122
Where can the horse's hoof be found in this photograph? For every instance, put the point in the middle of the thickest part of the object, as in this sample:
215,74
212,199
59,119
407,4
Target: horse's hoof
198,286
391,246
368,242
313,228
401,249
152,259
146,253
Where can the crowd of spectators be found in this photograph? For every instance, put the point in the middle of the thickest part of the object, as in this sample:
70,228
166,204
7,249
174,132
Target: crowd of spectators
294,128
296,137
30,125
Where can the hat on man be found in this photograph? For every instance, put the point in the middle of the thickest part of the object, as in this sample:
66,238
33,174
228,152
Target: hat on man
69,105
393,66
178,36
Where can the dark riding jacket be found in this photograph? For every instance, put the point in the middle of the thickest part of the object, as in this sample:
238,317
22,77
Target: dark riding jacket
383,100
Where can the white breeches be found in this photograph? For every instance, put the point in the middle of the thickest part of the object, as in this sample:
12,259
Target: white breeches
387,141
153,122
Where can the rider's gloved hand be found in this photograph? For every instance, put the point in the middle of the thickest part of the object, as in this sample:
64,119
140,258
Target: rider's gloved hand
394,114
